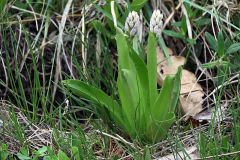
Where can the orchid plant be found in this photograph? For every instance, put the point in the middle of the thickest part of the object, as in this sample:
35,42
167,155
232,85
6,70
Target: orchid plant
141,111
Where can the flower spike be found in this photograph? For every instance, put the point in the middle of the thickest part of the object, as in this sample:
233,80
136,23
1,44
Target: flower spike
132,23
156,22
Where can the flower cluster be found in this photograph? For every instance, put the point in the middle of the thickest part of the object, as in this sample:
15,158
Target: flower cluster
156,22
133,22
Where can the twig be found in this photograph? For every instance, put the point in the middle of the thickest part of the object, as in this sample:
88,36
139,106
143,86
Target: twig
220,155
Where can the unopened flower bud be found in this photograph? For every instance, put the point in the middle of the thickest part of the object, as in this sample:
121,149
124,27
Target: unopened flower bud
156,22
132,23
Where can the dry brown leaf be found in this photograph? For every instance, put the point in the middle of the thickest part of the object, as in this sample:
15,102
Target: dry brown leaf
188,78
164,68
216,114
191,92
192,153
191,103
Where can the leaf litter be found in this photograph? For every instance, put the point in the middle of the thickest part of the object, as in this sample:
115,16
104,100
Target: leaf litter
191,93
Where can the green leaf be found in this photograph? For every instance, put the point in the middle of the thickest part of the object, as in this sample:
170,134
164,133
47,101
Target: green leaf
165,49
41,151
220,50
143,89
107,12
190,11
173,34
202,21
222,73
233,48
123,52
96,95
183,25
142,83
130,85
3,4
136,5
62,156
176,90
211,40
142,71
75,153
191,41
126,82
23,157
136,45
152,67
4,152
168,97
100,28
179,35
237,135
162,105
214,64
157,130
147,154
127,101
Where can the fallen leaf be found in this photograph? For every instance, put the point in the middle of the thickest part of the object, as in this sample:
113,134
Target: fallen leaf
192,153
215,114
191,103
191,92
165,68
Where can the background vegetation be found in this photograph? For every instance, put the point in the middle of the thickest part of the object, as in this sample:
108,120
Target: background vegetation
43,42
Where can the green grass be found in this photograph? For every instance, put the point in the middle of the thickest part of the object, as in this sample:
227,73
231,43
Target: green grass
40,122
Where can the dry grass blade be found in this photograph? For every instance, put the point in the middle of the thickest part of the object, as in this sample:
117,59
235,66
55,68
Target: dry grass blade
59,47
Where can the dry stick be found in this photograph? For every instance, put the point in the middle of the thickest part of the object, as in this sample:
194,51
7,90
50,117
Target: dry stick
190,36
195,57
189,28
20,116
206,81
34,14
5,73
29,20
73,44
27,11
172,14
18,41
69,66
59,46
84,54
220,155
118,138
113,14
98,50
